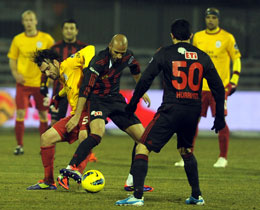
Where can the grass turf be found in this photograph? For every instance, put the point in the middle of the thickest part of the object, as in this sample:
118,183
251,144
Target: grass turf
235,187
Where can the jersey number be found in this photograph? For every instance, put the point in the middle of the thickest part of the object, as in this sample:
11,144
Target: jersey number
186,79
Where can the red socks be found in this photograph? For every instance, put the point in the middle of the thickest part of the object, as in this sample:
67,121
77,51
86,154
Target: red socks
47,154
19,132
223,138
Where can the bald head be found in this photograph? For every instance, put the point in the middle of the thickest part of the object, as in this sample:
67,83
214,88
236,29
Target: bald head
118,46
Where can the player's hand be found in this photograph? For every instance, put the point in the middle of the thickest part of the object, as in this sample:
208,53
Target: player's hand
44,90
55,101
147,100
219,123
72,123
130,108
230,88
46,100
19,79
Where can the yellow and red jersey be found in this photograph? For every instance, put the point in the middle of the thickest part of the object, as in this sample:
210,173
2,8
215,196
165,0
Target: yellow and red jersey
222,48
22,49
71,74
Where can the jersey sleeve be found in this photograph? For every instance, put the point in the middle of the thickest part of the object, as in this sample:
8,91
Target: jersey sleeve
233,48
146,80
13,52
134,64
88,53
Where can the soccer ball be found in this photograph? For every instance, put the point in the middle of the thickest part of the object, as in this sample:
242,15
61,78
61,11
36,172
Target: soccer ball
93,181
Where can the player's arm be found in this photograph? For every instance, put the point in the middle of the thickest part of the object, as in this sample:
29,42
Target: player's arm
17,76
144,84
218,92
231,87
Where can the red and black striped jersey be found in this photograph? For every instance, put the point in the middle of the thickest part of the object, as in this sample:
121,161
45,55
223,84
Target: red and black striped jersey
102,77
65,50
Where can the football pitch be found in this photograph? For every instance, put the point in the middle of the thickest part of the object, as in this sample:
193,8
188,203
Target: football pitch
234,187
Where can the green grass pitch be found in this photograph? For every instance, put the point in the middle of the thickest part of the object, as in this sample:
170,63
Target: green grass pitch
235,187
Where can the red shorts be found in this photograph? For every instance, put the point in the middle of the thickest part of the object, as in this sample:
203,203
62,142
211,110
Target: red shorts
23,94
73,135
207,100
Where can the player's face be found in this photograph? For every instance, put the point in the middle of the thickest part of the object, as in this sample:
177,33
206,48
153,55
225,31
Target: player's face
50,69
117,52
70,32
29,22
212,22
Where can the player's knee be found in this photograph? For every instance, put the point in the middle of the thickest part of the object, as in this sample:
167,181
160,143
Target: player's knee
43,116
97,127
46,139
184,151
20,114
83,135
142,149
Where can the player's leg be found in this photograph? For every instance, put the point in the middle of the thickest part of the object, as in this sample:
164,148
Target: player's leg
187,123
43,114
97,128
135,131
22,101
156,135
48,142
223,138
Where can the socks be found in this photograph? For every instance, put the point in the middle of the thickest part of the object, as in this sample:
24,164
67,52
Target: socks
19,132
191,169
83,164
47,154
43,127
140,168
130,181
84,149
223,138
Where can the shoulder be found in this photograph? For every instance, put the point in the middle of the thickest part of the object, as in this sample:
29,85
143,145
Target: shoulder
226,34
44,34
78,42
200,33
57,44
19,36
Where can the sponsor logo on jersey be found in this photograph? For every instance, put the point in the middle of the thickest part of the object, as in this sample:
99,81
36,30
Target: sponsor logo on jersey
218,44
39,44
188,55
96,113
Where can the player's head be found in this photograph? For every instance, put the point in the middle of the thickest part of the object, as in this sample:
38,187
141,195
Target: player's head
70,30
180,30
118,47
212,18
29,20
48,62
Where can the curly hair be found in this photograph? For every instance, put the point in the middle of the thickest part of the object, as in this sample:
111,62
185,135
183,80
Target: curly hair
41,55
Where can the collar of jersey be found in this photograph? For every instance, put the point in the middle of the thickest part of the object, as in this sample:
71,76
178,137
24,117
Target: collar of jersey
217,30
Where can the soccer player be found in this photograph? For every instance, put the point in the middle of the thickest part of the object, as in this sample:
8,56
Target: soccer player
183,67
27,74
70,74
100,92
222,48
64,48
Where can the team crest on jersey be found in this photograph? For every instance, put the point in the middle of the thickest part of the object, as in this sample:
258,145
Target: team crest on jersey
39,44
72,56
218,44
96,113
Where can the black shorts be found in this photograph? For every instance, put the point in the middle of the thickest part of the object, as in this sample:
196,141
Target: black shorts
62,110
112,107
168,121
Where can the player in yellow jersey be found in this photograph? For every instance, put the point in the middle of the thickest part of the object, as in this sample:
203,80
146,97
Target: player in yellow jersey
70,73
221,46
27,74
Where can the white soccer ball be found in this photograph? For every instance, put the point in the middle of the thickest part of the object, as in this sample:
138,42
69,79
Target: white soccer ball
93,181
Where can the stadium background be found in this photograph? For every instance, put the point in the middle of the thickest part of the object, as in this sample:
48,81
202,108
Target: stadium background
146,24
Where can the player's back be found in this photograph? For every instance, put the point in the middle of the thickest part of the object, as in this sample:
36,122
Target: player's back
183,67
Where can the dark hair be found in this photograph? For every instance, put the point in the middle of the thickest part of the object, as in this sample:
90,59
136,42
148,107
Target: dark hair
212,11
180,29
41,55
71,20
